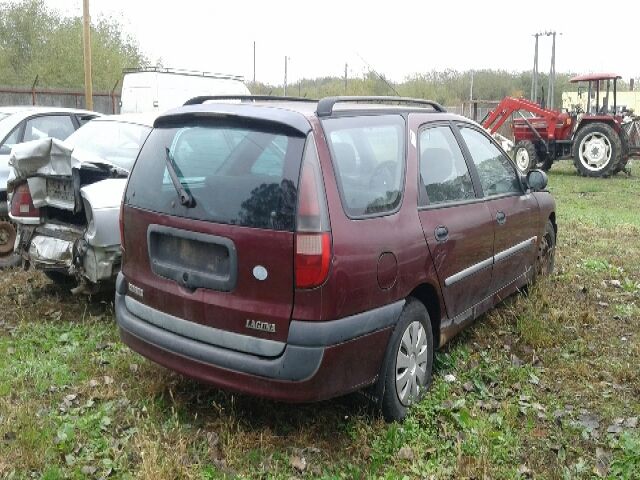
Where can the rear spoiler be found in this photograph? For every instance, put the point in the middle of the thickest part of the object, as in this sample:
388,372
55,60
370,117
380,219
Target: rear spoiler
241,112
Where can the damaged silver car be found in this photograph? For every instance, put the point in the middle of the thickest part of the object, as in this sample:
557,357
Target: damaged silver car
65,198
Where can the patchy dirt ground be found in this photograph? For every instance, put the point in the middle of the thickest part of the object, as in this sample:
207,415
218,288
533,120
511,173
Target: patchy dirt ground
546,386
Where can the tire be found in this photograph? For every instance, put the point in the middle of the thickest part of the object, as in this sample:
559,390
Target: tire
597,150
546,254
59,278
7,238
525,156
412,330
624,139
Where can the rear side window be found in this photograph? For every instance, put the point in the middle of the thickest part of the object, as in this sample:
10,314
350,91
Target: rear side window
368,157
443,170
56,126
237,175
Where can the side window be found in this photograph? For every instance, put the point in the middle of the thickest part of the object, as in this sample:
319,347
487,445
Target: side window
443,170
497,175
368,157
56,126
10,141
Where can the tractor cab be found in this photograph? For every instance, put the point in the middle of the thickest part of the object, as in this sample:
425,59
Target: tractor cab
602,92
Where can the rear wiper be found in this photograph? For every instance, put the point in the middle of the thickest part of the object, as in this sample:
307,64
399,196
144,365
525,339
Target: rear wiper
185,196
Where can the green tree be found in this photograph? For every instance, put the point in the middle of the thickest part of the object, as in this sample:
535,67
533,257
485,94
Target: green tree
38,41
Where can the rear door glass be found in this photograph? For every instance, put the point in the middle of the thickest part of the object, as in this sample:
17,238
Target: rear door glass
236,175
55,126
368,155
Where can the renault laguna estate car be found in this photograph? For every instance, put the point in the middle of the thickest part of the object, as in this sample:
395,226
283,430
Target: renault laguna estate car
300,250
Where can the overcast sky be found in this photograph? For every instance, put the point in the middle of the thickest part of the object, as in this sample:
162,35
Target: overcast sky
397,38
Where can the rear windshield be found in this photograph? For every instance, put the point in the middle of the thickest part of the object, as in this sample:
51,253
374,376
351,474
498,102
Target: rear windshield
236,174
114,141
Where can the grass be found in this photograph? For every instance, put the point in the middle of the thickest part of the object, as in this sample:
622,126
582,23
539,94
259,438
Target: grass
546,386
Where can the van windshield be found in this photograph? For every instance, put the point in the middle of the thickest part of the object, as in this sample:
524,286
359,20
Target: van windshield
235,174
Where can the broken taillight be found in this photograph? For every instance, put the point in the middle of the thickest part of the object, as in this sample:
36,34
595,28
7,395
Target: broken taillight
22,203
313,234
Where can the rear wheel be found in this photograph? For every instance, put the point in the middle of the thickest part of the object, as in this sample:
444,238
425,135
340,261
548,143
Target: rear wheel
406,372
525,156
624,139
597,150
545,258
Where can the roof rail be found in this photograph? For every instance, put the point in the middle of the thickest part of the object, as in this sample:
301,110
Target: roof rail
325,105
180,71
262,98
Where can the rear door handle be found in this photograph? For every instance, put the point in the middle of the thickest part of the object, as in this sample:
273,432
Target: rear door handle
501,218
441,233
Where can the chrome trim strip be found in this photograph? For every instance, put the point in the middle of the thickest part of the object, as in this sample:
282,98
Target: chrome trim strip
530,242
456,277
202,333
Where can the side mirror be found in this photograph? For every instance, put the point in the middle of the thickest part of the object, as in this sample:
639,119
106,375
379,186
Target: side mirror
5,150
537,180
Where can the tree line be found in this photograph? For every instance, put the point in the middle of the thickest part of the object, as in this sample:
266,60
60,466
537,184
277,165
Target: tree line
36,41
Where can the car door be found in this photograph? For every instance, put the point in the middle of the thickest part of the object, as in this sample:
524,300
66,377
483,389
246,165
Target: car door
513,210
456,222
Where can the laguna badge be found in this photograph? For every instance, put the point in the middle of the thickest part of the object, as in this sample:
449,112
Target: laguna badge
261,326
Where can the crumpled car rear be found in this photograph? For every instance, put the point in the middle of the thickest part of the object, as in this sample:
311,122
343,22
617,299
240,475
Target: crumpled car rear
71,224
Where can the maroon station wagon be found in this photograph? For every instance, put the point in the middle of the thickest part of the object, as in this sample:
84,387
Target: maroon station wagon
300,250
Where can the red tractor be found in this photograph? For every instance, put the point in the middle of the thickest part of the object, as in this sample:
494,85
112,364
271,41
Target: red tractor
597,139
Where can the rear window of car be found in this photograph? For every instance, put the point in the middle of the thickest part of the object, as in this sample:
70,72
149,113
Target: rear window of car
236,174
114,141
368,156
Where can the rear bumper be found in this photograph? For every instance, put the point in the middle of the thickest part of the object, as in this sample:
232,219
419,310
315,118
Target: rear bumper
317,362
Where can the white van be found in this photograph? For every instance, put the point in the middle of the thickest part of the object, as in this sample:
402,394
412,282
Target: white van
147,90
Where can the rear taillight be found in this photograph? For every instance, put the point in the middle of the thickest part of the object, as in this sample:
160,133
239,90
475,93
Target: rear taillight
313,235
22,203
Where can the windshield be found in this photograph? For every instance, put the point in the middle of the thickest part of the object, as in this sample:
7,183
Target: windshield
228,173
116,142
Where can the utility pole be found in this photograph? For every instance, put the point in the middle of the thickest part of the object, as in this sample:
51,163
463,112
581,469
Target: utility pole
346,66
471,88
551,90
534,75
254,61
286,59
86,42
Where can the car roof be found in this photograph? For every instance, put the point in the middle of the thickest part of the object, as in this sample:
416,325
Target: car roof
296,112
40,109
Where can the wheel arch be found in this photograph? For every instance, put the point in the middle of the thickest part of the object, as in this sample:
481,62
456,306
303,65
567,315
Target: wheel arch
427,294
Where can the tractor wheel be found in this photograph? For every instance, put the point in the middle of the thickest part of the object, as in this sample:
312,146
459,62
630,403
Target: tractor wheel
624,139
597,150
7,238
525,156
